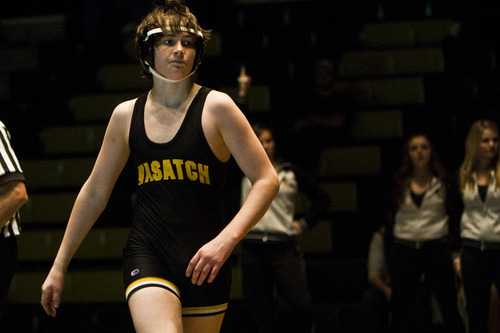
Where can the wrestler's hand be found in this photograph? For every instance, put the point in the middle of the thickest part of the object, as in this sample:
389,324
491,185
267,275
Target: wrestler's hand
207,262
51,291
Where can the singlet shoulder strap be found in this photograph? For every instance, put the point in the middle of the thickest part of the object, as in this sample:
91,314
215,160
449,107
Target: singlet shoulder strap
137,117
197,104
201,96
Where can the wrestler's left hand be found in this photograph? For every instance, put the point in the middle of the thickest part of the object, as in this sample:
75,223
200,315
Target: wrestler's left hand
208,261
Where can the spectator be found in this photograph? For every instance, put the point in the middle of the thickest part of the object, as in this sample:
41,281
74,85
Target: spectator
274,280
477,199
419,227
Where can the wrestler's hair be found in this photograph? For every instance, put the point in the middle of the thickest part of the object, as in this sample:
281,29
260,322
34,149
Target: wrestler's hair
170,16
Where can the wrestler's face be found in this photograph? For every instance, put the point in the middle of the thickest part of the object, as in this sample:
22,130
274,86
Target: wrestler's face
175,54
419,151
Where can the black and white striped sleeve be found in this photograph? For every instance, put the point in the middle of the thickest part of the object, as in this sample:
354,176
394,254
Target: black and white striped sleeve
10,170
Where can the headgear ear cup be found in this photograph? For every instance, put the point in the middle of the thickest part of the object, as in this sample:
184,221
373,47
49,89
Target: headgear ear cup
200,48
146,49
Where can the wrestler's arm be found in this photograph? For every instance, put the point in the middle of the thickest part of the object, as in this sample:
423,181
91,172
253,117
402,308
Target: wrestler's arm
229,133
90,202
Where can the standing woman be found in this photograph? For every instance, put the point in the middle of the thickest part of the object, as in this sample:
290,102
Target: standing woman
274,278
420,250
479,188
180,137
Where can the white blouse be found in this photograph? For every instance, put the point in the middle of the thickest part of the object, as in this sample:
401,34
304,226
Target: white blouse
481,219
427,222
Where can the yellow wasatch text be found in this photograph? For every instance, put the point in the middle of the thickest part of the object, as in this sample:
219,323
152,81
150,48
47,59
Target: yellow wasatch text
173,169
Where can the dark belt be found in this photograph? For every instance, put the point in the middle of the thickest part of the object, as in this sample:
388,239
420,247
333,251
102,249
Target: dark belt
482,245
264,237
420,244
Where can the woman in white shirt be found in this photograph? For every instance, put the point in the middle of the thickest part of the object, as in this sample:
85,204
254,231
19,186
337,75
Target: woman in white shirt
274,280
420,248
479,191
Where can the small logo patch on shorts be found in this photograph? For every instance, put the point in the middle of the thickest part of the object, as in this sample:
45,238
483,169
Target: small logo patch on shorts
134,272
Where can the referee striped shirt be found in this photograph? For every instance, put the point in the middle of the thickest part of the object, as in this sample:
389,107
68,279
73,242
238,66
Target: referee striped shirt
10,170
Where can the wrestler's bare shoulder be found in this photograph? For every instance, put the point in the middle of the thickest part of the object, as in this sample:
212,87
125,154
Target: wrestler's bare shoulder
122,115
220,103
125,108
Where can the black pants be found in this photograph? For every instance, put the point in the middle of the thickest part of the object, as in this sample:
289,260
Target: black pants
479,270
375,311
275,288
8,265
408,266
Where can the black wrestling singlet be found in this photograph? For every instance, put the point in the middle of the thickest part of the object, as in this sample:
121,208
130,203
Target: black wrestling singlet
180,188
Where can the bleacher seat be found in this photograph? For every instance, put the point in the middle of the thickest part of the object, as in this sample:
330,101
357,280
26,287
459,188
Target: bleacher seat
86,286
406,61
72,139
123,77
385,91
100,243
236,285
103,243
428,60
451,89
349,161
405,91
25,58
214,46
387,34
57,173
259,97
98,107
431,31
405,33
34,29
378,124
367,63
318,239
39,245
343,196
46,208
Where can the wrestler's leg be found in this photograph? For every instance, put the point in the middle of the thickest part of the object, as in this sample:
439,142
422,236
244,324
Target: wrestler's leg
155,309
204,324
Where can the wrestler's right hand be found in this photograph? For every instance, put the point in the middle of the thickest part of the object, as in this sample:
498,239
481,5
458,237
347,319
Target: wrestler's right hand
51,291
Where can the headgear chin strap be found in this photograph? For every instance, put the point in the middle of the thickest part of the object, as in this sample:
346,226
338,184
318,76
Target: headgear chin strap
164,78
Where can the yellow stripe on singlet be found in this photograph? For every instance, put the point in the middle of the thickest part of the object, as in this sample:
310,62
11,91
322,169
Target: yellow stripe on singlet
204,310
151,282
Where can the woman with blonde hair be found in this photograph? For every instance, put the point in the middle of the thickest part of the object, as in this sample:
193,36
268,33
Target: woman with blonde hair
478,202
